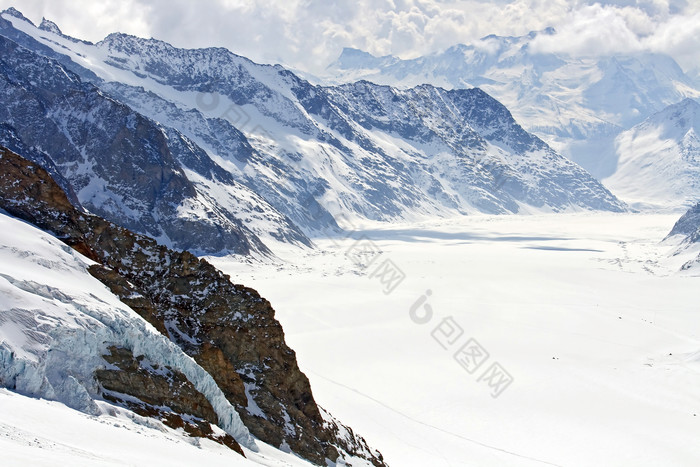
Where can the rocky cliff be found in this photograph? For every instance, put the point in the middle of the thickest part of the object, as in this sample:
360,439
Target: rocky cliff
228,329
688,228
688,225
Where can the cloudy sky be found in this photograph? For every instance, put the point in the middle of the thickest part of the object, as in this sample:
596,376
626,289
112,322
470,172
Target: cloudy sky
309,34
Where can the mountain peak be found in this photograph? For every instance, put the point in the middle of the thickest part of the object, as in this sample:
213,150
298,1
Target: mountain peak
550,31
356,58
352,52
684,115
49,26
12,11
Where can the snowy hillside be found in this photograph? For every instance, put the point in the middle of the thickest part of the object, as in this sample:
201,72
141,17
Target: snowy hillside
314,153
45,434
685,236
577,105
57,322
659,160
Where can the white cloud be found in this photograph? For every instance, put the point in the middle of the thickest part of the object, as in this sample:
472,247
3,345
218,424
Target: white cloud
594,30
664,26
309,34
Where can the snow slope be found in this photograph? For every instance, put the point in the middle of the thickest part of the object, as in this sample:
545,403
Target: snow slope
57,321
659,160
43,433
587,312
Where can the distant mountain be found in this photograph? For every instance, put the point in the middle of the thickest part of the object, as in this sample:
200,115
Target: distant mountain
688,225
688,228
577,105
175,340
659,159
261,136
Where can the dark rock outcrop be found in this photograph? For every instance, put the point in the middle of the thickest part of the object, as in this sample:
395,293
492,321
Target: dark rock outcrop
228,329
162,393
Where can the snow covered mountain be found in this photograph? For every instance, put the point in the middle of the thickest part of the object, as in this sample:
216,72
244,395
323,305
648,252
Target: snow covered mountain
688,230
127,167
659,159
577,105
169,337
311,153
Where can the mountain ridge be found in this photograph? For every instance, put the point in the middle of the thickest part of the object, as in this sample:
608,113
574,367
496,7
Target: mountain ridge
310,157
659,159
567,101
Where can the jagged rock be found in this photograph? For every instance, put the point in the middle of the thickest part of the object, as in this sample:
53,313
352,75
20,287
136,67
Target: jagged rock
159,392
228,329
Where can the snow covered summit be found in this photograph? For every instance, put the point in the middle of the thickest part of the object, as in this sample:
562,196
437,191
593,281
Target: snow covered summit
576,104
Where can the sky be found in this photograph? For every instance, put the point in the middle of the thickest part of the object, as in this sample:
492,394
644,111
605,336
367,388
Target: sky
308,35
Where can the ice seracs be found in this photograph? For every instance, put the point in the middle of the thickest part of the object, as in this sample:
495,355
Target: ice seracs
57,321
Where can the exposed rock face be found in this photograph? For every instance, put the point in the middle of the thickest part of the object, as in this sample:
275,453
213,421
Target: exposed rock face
159,392
228,329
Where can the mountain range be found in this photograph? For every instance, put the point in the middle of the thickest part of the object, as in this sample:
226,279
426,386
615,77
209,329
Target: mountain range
658,160
122,161
233,157
578,105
